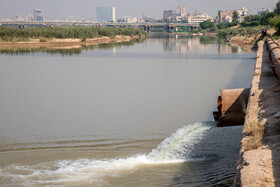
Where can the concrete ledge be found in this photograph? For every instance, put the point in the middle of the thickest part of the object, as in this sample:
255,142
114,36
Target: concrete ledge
259,163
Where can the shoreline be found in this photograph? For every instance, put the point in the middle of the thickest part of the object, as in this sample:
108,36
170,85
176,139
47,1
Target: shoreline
67,43
246,43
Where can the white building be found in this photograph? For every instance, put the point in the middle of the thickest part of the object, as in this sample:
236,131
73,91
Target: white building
106,14
5,19
198,18
19,18
242,12
228,19
129,20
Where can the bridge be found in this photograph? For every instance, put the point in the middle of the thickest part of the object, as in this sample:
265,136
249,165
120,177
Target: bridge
51,23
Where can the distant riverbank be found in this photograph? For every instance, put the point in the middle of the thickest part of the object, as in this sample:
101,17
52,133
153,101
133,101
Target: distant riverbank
66,37
66,43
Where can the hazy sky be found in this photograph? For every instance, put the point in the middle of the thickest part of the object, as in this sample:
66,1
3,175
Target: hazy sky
152,8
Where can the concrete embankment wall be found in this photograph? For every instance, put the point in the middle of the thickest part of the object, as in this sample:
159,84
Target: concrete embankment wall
259,158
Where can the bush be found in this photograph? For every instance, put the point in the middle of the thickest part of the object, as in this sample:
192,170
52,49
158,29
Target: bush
223,33
207,24
83,39
274,20
226,25
255,23
277,25
251,18
67,32
43,40
250,24
233,32
266,17
213,29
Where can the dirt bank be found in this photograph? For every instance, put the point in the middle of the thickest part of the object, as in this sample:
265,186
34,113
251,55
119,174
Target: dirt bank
67,43
246,43
259,158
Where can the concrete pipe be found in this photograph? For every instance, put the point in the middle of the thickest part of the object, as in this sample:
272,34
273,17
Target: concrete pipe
274,54
277,69
272,46
268,42
232,105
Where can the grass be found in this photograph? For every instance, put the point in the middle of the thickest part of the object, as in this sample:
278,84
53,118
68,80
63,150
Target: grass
13,34
43,40
254,132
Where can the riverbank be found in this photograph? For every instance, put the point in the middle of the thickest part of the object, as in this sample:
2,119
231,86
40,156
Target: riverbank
248,43
66,43
259,157
66,37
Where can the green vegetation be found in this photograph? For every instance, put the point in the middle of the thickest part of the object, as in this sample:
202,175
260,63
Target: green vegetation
43,40
67,52
277,9
235,16
226,25
252,24
207,24
13,34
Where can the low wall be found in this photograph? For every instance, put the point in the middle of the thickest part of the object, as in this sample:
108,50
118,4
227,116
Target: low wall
259,157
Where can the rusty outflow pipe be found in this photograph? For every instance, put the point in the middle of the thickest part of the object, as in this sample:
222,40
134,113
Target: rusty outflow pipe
232,105
274,54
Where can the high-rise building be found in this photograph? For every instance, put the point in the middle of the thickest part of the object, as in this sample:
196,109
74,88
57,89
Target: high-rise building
178,14
107,14
168,14
181,11
38,15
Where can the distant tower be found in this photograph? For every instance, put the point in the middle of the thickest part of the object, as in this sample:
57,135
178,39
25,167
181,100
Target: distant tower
180,11
106,14
38,15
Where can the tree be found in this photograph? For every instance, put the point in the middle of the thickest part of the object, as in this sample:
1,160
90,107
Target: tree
274,20
253,18
235,16
277,9
277,25
207,24
266,17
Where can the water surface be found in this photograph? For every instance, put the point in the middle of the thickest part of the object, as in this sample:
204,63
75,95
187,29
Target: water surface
99,116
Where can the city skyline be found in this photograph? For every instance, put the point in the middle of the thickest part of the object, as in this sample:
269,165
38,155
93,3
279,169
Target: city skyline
87,8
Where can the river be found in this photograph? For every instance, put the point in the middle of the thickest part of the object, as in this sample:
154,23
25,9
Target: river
120,115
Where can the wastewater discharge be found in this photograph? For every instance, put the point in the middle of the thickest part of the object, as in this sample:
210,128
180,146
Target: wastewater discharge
174,149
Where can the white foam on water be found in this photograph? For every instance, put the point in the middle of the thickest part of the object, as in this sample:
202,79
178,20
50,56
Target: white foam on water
173,149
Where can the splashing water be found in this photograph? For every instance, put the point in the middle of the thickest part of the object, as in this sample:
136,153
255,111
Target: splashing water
173,149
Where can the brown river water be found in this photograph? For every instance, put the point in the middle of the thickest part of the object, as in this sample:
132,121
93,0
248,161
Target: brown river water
120,115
